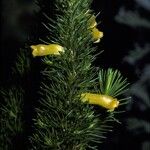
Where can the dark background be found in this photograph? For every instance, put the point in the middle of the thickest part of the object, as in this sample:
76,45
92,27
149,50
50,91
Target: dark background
19,25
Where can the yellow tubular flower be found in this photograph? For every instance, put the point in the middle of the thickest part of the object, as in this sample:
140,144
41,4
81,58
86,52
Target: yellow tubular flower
105,101
43,50
97,35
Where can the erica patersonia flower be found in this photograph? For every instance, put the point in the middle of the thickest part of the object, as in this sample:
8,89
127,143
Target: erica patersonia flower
105,101
96,34
43,50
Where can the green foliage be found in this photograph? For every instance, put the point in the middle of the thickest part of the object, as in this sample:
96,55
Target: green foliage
112,83
11,123
63,122
22,64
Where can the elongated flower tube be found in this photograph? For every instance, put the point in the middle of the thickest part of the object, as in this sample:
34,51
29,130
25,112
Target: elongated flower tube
105,101
43,50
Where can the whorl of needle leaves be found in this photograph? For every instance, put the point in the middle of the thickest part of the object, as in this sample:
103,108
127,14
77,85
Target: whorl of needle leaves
112,83
63,122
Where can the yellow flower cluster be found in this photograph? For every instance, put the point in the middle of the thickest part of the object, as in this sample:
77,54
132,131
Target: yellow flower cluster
105,101
96,34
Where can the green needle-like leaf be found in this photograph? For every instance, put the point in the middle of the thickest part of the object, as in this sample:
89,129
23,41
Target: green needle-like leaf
112,82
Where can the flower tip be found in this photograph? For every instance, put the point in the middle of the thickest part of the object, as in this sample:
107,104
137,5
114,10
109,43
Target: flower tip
114,103
97,35
34,50
58,49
